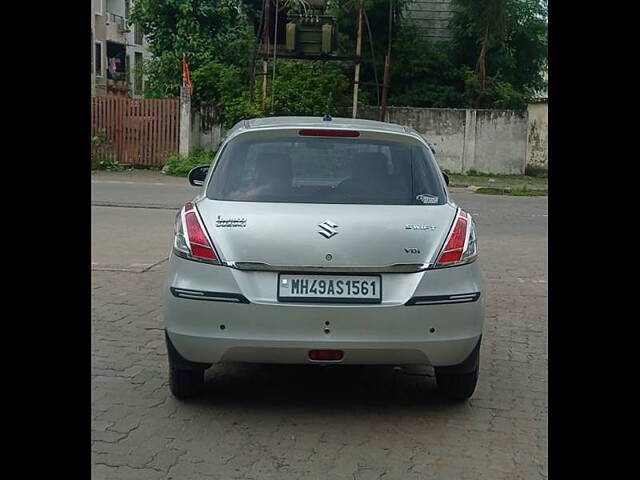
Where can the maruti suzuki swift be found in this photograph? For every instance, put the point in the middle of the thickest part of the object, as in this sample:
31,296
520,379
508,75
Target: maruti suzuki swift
323,241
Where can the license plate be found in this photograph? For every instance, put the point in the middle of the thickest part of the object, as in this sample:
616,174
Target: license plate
330,288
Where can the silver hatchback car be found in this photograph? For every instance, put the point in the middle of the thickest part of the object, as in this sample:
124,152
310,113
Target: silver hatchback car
323,241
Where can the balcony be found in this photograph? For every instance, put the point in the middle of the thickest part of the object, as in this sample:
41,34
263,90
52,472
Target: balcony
118,84
116,28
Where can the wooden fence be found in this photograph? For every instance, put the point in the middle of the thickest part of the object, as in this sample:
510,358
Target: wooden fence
139,132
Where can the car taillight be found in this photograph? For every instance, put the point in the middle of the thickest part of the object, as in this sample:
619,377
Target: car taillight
193,244
200,245
461,245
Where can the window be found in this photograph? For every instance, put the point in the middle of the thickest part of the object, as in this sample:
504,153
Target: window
117,64
98,59
321,170
137,34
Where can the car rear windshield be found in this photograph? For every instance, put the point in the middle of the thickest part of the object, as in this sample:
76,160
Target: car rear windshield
326,170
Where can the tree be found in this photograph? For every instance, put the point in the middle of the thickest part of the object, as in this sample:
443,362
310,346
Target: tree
515,47
422,73
219,37
495,61
374,46
522,57
484,20
312,88
207,31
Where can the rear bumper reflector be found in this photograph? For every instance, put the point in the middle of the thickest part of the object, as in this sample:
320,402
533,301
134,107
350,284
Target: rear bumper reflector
208,296
326,355
444,299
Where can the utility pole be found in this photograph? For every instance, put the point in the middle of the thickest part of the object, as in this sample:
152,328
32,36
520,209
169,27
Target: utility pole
385,88
265,73
387,61
254,58
356,79
275,48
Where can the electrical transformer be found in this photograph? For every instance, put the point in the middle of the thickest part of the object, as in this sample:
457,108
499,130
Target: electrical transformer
311,34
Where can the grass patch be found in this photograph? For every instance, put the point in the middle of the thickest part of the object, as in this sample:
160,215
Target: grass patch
180,166
515,191
106,163
499,181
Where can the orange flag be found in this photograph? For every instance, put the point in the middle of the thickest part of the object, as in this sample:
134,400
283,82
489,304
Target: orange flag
186,74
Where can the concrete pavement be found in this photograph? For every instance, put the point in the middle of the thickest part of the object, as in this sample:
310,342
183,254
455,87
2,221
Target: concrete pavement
140,188
132,218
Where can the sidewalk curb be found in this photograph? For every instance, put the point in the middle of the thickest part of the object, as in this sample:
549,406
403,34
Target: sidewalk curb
136,205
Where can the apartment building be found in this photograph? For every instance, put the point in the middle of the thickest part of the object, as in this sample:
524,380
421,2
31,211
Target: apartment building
117,50
432,18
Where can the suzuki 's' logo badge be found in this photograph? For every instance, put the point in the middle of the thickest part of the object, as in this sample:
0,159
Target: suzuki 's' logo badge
328,229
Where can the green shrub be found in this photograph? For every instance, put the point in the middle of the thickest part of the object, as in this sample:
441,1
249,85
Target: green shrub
515,191
310,88
99,162
498,93
102,154
180,166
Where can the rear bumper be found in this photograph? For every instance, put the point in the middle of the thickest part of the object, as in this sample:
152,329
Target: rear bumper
215,350
249,328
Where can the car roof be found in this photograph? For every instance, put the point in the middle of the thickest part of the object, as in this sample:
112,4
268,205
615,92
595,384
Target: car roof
256,124
339,122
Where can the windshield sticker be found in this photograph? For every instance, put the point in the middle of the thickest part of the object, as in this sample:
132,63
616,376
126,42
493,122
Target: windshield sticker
427,199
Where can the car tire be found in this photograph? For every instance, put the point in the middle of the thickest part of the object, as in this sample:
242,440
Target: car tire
186,378
458,382
457,387
185,384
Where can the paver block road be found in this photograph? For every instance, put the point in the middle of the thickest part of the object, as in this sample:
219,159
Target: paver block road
290,422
